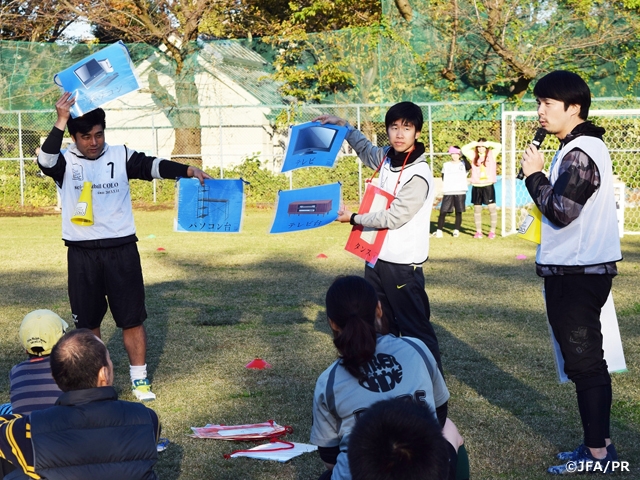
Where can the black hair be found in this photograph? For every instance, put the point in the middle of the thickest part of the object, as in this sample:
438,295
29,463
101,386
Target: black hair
86,122
398,439
37,352
407,111
77,359
476,155
351,304
567,87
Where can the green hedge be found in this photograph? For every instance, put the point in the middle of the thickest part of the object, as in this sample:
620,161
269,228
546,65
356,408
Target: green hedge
262,186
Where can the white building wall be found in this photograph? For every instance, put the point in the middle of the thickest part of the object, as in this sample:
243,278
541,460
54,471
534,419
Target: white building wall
136,121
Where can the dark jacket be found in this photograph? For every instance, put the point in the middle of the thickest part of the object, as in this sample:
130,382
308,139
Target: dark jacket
90,434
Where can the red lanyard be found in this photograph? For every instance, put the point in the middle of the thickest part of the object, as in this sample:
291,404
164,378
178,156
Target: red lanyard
401,170
289,446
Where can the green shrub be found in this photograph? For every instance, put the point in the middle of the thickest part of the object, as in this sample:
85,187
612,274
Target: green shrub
262,185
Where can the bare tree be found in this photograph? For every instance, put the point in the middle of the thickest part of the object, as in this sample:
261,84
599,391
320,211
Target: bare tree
174,26
502,45
33,20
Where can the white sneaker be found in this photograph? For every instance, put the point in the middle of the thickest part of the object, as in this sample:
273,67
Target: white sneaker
142,390
456,233
437,234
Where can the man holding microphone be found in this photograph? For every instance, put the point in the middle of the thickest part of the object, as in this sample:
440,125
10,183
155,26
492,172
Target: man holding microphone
578,252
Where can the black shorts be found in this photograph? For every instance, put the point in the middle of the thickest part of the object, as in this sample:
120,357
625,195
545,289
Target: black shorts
100,274
453,202
483,195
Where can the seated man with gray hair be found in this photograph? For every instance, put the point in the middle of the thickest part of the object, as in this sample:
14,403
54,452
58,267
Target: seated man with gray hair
89,433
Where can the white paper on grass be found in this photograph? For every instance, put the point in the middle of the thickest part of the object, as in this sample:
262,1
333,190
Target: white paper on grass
611,342
255,431
279,456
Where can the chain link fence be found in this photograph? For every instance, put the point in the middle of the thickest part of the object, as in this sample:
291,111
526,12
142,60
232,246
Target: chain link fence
229,136
623,140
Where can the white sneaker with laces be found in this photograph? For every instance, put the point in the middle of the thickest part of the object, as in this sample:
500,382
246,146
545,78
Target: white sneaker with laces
437,234
456,233
142,390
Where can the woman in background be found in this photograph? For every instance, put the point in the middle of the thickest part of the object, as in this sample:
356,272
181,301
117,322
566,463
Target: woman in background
483,155
454,189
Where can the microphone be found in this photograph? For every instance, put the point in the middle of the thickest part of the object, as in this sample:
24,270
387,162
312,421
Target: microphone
538,138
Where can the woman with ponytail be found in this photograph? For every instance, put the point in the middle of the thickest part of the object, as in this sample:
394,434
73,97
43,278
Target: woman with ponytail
371,367
483,177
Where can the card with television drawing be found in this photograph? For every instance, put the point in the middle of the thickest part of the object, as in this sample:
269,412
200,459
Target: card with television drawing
306,208
313,145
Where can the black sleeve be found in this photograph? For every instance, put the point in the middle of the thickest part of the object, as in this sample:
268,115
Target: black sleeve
57,171
329,454
534,182
53,142
441,413
578,179
52,146
453,462
139,165
467,165
169,169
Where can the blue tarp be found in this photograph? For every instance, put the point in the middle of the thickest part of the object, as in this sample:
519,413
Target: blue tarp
522,194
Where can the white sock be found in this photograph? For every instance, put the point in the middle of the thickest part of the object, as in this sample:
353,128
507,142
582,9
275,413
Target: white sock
138,372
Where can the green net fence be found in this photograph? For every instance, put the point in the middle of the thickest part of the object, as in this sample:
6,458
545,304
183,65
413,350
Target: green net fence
242,121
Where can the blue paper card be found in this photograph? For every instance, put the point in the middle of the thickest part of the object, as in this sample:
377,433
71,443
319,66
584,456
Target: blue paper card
313,145
306,208
99,78
215,207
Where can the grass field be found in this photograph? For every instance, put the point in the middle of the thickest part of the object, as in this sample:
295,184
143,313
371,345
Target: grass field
215,302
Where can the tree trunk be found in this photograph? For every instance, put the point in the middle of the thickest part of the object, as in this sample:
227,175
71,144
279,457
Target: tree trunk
186,122
183,112
448,71
405,9
519,87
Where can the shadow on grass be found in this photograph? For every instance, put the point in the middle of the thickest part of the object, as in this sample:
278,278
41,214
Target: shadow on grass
207,317
514,329
22,292
169,461
495,385
264,294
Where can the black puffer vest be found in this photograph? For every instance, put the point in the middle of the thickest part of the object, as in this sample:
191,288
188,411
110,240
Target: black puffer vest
90,434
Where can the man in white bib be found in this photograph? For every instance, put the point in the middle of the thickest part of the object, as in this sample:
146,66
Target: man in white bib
398,276
103,259
578,253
